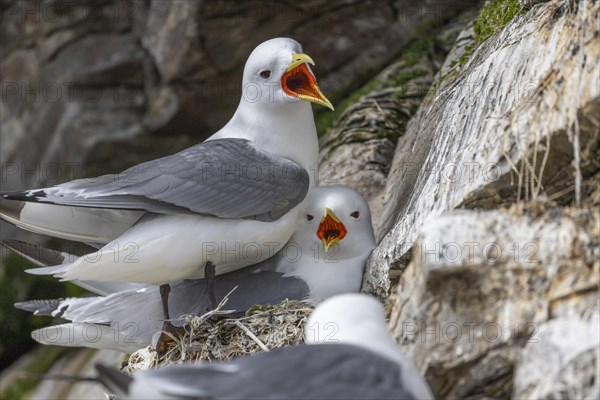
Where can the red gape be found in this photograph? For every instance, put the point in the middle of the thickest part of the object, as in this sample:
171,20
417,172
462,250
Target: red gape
330,229
300,81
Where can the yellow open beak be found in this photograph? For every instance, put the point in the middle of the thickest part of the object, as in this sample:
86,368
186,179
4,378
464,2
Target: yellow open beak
331,230
299,59
298,81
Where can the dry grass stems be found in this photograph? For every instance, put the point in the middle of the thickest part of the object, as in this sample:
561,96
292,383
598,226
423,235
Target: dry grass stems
213,336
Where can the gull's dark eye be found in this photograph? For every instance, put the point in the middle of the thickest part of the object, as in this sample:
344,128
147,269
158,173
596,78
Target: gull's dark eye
265,74
355,214
309,217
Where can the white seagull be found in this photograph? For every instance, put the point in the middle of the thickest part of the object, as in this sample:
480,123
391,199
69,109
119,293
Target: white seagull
350,356
332,262
131,319
231,201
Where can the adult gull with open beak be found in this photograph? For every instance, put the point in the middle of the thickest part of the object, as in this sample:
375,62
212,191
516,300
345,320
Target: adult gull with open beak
162,221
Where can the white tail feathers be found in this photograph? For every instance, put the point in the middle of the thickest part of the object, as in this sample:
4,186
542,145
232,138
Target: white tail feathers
80,224
57,271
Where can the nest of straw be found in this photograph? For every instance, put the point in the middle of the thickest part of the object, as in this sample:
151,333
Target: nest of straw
214,336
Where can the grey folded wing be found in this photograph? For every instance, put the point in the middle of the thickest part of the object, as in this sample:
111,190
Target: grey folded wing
227,178
326,371
253,286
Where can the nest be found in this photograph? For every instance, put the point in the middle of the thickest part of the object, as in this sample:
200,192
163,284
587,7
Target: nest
214,336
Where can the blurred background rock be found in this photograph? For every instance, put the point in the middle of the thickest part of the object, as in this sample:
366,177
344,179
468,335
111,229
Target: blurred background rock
106,84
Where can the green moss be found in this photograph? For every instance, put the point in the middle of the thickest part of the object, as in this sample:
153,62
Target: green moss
405,76
418,48
462,60
414,52
494,16
324,118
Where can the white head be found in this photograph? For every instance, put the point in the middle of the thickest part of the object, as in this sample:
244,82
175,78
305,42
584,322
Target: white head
359,320
338,219
353,318
277,74
274,112
333,239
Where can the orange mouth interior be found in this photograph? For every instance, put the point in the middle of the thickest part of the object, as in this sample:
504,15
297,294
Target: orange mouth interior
299,81
329,230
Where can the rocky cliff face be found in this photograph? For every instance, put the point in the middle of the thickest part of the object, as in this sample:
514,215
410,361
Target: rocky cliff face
499,303
518,120
490,297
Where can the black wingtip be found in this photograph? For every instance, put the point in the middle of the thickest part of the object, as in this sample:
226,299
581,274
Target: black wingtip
35,254
12,244
41,307
24,196
114,380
